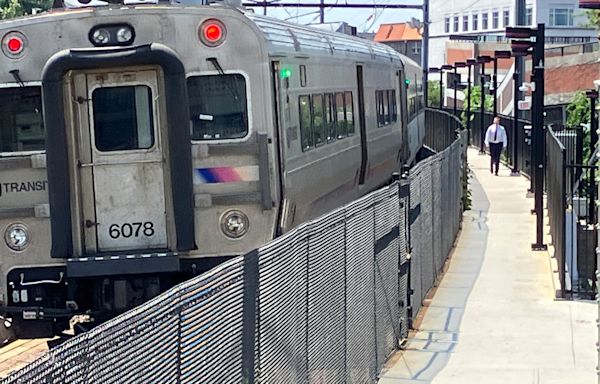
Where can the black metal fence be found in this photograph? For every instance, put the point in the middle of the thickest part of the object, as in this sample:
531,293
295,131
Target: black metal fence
572,212
556,156
440,128
325,303
522,136
581,233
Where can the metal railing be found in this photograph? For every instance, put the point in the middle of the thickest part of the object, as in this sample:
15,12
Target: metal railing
572,211
572,49
523,137
556,161
326,302
581,233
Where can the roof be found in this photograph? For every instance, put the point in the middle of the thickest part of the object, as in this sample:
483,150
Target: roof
397,32
283,36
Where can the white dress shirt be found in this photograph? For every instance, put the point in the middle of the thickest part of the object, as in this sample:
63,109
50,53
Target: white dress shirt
496,134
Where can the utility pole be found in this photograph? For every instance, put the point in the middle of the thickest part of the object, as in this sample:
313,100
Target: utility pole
425,49
322,12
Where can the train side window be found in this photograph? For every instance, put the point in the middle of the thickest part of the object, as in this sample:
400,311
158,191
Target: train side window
340,113
318,121
330,117
393,105
386,108
218,107
349,112
379,107
21,121
303,75
306,133
123,118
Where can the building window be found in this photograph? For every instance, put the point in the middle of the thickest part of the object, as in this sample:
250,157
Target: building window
506,17
447,24
529,16
416,48
475,21
455,23
495,20
561,17
484,20
465,23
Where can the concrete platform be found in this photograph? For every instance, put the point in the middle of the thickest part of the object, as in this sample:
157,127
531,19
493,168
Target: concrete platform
494,317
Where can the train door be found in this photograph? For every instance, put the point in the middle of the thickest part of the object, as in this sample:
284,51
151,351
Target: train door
121,161
362,123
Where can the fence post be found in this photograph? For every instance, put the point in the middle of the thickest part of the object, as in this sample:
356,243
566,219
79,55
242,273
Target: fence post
249,316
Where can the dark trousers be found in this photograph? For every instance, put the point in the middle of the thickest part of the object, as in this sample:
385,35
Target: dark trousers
496,150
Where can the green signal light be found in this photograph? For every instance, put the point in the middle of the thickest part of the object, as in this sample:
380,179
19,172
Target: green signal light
407,82
286,73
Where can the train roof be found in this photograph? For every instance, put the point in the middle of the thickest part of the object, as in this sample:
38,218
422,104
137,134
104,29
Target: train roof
285,37
281,38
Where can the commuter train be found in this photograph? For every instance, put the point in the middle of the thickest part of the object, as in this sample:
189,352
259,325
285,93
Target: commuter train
143,144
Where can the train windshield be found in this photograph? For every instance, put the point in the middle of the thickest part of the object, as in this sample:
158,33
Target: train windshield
218,107
21,121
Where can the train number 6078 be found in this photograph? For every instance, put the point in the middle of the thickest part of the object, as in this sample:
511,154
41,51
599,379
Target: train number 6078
128,230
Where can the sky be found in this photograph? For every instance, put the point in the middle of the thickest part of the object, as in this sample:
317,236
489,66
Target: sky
366,20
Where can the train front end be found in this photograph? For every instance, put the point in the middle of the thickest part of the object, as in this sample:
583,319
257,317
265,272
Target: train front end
131,156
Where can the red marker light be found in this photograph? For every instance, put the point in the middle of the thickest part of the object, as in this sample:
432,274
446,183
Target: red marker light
14,45
212,33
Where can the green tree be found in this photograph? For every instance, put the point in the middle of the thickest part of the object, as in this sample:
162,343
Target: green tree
578,115
578,111
15,8
476,103
593,16
433,93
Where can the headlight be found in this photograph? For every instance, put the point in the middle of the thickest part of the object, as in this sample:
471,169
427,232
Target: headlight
17,237
234,224
124,35
100,37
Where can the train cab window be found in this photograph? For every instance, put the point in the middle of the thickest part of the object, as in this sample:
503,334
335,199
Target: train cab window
21,122
218,107
330,117
123,118
318,122
305,123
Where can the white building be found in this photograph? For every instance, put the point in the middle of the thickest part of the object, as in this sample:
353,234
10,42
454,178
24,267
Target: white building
565,22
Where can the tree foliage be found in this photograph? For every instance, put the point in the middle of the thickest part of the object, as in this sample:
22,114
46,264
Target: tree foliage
16,8
433,93
476,103
578,111
593,16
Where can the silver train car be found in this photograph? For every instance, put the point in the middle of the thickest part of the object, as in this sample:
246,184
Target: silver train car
141,145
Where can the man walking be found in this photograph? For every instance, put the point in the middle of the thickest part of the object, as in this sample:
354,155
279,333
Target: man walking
496,141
